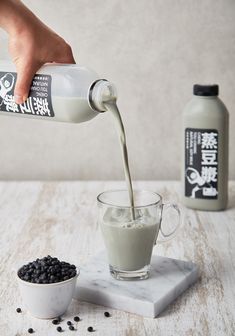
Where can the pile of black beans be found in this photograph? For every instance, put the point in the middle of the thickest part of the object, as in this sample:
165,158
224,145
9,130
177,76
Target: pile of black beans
47,270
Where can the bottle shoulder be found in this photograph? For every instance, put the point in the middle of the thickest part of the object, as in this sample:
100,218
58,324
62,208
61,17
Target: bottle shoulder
205,107
70,80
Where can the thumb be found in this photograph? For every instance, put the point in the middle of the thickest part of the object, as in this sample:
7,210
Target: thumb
25,74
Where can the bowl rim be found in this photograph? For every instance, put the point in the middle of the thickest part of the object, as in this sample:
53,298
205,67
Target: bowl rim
48,284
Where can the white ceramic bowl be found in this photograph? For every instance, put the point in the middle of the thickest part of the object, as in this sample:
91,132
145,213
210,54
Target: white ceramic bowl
47,300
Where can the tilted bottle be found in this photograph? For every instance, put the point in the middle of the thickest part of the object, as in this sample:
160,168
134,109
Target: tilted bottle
59,92
205,150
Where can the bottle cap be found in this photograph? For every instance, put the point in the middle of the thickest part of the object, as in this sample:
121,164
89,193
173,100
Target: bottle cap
206,90
101,91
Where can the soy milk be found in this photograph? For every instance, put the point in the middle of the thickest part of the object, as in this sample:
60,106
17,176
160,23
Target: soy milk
129,243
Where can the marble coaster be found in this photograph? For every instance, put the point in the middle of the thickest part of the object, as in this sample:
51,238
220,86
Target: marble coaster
169,278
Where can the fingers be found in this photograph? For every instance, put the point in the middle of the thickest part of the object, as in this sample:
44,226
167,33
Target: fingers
25,74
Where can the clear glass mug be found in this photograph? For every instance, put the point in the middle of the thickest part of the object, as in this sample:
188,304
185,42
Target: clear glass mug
129,241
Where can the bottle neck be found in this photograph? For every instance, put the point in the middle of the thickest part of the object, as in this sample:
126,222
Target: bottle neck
205,97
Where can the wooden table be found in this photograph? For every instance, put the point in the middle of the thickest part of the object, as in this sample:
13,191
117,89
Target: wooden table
59,218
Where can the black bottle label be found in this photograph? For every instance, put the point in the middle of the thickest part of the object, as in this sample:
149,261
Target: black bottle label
39,100
201,163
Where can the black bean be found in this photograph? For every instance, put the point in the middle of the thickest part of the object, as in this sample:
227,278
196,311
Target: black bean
106,314
69,323
76,318
30,330
59,329
55,321
71,327
90,329
18,310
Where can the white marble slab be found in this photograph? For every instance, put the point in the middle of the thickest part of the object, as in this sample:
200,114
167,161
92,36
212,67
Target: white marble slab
169,278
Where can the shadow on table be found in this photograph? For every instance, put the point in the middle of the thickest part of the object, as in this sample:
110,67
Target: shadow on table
231,202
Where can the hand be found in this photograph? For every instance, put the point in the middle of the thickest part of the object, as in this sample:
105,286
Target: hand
32,48
31,44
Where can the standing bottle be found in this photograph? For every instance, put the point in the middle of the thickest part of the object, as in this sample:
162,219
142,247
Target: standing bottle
205,143
59,92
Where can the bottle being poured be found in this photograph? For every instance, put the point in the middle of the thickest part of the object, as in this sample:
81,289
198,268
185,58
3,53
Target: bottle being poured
66,93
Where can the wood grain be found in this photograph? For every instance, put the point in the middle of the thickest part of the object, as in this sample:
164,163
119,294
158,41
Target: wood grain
59,218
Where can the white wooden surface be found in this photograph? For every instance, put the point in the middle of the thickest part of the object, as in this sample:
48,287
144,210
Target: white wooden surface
39,218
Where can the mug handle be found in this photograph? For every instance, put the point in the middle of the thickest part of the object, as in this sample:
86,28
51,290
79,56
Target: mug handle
170,235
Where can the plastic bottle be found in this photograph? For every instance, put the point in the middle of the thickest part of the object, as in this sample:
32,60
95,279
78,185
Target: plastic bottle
59,92
205,143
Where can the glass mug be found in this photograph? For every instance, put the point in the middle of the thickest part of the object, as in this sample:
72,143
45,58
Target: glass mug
129,240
